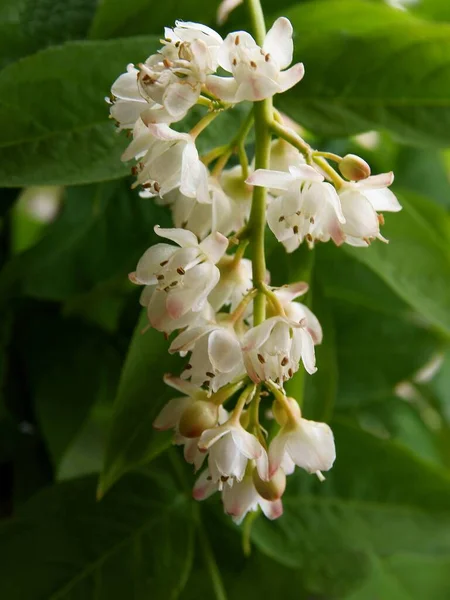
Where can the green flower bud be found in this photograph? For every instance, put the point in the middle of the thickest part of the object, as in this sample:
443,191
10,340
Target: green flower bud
354,167
273,489
197,418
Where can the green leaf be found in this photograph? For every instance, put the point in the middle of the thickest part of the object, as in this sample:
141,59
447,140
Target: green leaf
137,542
116,18
53,117
84,367
141,394
369,66
380,513
416,262
100,235
376,352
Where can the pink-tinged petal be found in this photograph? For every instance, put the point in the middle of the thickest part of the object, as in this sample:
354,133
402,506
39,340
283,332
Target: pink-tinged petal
171,413
279,180
204,486
287,464
312,325
250,368
211,436
190,171
182,237
214,246
272,510
150,262
305,172
192,454
207,277
156,114
223,350
375,182
224,88
278,42
183,386
311,446
383,200
330,195
277,450
308,353
247,443
254,87
162,131
146,295
289,292
225,8
187,339
291,77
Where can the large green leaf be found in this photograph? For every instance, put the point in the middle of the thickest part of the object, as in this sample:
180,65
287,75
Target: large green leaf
369,66
137,543
416,262
140,397
381,514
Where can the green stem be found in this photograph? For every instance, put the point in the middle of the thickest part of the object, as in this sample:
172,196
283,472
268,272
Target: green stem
289,135
263,114
203,124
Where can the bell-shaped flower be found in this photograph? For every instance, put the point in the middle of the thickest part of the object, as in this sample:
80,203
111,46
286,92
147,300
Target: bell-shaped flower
257,72
361,201
298,312
273,349
167,160
127,104
216,357
308,444
230,448
182,276
172,79
235,282
308,208
242,497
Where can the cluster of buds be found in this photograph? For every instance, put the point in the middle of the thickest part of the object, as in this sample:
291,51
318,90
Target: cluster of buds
200,288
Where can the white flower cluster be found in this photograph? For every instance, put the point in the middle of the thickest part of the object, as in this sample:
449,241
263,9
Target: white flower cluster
200,287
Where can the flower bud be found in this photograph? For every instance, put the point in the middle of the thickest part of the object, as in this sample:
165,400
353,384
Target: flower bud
274,488
280,413
354,167
197,418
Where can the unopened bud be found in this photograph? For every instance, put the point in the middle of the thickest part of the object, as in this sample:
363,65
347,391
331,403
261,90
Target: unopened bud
354,168
274,488
280,411
197,418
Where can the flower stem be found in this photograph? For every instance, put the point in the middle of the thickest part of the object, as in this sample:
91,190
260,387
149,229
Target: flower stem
214,573
263,115
203,124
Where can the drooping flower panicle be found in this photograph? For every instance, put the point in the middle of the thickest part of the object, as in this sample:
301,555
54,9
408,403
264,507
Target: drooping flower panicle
202,288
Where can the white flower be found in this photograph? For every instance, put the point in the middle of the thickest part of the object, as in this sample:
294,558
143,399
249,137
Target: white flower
308,207
242,498
273,349
230,448
283,155
257,72
360,201
235,282
239,195
127,104
167,160
181,278
171,80
216,357
298,312
307,444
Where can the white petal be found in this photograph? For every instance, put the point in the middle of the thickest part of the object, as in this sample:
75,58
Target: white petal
211,436
278,42
360,216
247,443
262,466
179,97
224,88
279,180
383,200
289,292
272,510
182,237
375,182
306,173
291,77
150,262
214,246
277,452
190,171
256,336
126,88
186,340
163,132
139,145
183,386
224,350
308,354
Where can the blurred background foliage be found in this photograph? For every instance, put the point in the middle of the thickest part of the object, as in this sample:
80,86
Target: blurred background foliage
81,384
